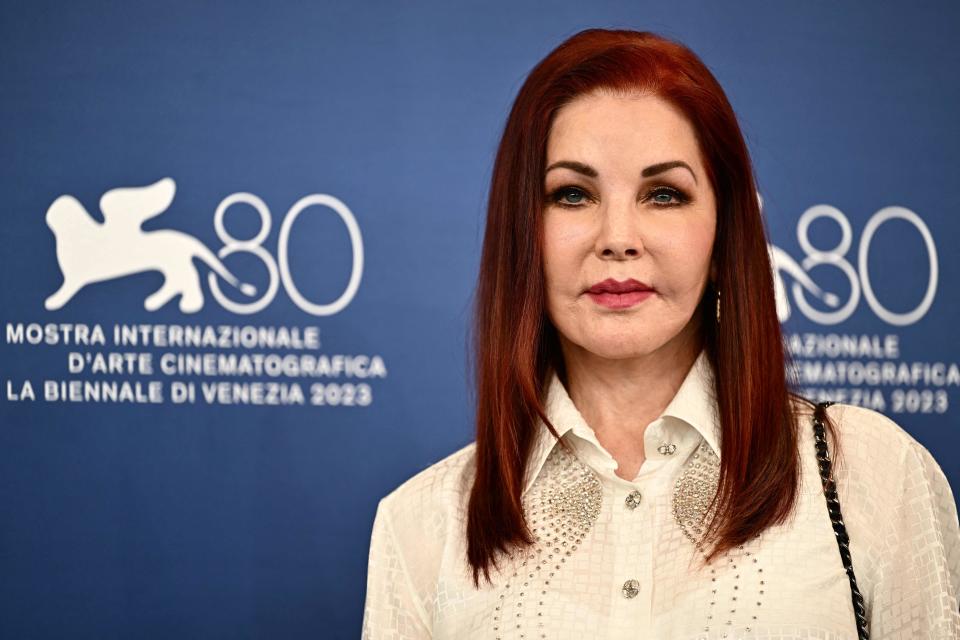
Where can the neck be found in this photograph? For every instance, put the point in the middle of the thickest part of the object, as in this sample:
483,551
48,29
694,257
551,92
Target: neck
619,398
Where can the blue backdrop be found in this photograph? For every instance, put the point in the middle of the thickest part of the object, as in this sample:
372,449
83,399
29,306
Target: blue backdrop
205,461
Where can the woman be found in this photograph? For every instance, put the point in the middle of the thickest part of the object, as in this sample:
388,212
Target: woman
641,469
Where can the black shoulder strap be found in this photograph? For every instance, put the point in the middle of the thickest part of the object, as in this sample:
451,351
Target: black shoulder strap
833,507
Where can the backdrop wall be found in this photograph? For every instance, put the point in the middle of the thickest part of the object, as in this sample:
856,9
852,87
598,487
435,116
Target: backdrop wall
198,416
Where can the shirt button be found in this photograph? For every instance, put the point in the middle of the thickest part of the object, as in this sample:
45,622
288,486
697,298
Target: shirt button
631,588
633,500
667,449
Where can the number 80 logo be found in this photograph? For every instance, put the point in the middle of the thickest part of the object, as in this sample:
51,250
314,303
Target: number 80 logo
279,269
858,281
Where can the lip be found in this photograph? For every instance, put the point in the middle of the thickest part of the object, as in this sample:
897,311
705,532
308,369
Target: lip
614,294
615,286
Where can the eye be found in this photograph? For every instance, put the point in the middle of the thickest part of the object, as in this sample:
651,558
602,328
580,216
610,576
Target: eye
569,197
661,197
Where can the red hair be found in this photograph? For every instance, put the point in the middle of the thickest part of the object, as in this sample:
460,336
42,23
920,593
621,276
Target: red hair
515,345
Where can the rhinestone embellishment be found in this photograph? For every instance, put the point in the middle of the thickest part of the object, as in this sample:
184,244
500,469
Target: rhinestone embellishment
694,490
667,449
575,493
745,584
633,500
560,510
631,588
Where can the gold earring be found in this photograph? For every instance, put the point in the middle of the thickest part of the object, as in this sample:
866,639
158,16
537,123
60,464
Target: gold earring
718,306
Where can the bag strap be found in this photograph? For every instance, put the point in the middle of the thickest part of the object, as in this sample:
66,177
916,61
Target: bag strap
833,507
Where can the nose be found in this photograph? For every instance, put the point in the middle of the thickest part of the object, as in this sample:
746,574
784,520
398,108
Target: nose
619,237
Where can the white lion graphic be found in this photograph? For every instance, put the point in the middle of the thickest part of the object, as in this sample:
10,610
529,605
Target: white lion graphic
89,251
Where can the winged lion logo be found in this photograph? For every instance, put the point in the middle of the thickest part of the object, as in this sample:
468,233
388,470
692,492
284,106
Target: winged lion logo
89,251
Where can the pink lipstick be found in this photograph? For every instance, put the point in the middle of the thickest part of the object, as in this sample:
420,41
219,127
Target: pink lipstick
614,294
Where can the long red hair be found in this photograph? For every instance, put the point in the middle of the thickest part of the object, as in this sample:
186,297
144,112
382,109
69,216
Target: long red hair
515,346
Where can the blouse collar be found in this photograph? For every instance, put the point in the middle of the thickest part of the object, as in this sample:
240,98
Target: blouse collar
694,404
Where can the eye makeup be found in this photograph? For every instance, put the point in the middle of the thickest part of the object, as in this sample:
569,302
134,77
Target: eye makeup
561,196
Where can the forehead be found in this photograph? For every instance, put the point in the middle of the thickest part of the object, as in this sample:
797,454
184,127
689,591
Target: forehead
601,127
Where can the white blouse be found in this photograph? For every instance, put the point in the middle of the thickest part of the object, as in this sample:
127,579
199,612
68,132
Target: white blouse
616,558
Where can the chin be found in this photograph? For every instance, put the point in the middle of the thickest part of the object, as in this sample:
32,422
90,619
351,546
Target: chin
618,349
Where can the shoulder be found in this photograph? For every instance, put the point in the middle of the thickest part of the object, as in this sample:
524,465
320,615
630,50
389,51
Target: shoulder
874,451
876,438
414,536
432,496
900,511
863,433
441,478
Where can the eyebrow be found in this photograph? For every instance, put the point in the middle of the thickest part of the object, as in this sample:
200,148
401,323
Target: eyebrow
652,170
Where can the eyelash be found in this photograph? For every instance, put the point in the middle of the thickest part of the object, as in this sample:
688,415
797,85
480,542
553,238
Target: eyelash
557,195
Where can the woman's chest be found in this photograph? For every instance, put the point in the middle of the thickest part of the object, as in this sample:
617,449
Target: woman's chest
612,564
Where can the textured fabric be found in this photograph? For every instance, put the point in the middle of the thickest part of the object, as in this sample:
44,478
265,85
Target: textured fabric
617,559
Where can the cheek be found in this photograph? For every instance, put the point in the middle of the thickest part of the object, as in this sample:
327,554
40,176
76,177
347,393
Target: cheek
687,260
564,248
695,247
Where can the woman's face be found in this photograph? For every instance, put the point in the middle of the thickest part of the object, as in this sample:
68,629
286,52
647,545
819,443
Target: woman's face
627,198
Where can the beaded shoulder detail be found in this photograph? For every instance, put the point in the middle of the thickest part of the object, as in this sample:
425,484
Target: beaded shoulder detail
694,490
560,509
